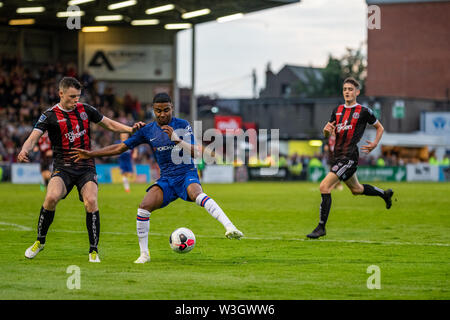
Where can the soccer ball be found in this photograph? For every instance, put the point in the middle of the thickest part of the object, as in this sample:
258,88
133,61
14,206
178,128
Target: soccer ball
182,240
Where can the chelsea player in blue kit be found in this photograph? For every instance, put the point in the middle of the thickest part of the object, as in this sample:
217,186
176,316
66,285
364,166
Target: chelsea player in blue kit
178,179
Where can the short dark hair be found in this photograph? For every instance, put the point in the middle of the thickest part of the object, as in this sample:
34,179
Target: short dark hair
69,82
162,97
352,81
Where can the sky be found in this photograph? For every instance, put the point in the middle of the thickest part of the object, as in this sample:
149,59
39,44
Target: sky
303,34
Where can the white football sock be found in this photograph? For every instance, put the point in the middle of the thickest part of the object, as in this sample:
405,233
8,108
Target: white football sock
126,184
143,228
213,209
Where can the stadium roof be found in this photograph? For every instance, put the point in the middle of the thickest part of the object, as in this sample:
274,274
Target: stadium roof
301,72
47,18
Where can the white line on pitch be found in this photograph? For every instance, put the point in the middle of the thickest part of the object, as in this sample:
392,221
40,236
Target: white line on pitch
397,243
18,226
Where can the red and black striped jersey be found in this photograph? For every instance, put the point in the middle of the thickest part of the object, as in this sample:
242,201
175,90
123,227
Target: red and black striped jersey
350,124
67,130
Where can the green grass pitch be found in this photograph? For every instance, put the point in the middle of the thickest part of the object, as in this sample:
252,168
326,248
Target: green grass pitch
409,243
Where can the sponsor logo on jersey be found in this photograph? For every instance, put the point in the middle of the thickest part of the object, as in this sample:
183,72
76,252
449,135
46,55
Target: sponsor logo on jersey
165,148
62,120
75,135
343,126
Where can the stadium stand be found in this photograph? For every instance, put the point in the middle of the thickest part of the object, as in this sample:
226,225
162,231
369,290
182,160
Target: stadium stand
25,92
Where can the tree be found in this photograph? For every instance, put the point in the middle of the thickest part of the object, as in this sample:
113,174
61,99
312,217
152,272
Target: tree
332,76
354,65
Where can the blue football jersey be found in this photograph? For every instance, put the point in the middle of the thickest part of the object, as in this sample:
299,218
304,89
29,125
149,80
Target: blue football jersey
172,159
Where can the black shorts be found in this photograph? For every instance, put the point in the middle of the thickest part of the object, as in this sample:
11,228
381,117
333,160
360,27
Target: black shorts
344,168
75,177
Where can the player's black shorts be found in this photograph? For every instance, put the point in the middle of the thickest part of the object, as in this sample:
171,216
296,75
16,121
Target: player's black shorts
75,177
344,168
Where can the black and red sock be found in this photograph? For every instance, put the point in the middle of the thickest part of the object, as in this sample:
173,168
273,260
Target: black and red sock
372,191
325,207
45,220
93,226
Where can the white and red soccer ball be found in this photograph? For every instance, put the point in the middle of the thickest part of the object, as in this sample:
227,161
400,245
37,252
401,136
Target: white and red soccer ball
182,240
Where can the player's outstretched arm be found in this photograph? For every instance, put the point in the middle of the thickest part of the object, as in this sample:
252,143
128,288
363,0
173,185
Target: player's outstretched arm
115,126
29,145
372,145
112,150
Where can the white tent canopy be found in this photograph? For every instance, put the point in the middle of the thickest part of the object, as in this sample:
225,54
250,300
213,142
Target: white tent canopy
412,140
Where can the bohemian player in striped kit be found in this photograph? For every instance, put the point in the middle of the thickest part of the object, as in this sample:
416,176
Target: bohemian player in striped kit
348,122
68,126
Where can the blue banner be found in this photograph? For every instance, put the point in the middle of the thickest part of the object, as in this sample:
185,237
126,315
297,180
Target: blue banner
104,174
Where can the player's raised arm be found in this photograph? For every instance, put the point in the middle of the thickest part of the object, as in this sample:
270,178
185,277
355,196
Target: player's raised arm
329,129
29,145
194,149
115,126
112,150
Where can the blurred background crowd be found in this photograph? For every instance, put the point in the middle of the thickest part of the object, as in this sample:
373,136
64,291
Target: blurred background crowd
27,92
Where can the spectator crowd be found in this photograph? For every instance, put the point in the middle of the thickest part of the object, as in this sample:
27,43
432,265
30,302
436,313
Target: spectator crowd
26,92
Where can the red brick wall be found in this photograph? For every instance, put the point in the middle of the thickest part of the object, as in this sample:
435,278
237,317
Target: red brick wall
410,55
